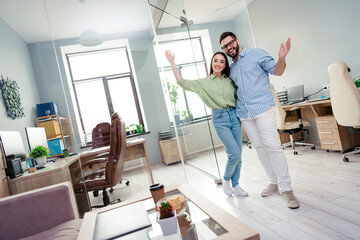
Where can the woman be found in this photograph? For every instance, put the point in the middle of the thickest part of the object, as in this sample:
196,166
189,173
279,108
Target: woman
218,93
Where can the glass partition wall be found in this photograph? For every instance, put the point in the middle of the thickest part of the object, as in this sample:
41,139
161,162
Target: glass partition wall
191,30
90,75
189,116
119,66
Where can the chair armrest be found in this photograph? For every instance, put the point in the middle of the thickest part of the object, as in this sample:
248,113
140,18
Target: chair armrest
102,155
89,163
294,108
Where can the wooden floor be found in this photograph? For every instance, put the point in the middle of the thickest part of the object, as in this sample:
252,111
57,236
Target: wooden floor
327,188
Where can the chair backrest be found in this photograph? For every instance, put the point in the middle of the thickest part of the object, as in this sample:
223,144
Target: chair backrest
101,135
115,161
345,97
279,111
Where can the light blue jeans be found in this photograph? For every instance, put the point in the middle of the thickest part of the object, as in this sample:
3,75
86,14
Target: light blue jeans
228,128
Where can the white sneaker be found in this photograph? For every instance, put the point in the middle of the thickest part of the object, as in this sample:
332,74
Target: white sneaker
239,192
227,187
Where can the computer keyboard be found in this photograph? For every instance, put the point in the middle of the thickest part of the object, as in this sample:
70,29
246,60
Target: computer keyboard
294,102
47,164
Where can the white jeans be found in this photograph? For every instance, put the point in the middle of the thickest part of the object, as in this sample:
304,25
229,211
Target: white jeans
263,134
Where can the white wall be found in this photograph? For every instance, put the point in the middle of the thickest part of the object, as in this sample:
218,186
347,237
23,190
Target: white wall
322,32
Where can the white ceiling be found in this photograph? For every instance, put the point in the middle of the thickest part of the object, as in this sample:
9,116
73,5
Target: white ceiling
39,20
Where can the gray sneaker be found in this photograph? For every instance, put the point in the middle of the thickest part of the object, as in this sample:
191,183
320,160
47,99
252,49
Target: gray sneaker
269,190
290,199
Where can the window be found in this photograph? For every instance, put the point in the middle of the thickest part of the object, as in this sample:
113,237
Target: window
103,84
191,63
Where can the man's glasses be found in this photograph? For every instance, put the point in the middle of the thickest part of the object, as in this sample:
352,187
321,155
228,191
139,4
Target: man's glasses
229,45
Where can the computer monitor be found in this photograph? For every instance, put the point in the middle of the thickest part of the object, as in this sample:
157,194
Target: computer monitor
12,143
36,136
295,94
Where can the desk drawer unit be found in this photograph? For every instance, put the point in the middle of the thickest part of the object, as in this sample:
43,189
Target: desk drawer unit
328,133
326,122
169,151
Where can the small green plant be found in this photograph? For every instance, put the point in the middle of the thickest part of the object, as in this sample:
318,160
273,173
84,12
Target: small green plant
166,210
39,151
139,128
357,81
172,91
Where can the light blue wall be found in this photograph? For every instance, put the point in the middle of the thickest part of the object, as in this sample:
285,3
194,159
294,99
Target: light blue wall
243,29
15,63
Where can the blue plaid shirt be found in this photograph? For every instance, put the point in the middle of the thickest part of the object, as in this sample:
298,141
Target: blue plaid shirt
251,76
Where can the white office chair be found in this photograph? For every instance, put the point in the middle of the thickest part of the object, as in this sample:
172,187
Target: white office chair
345,99
290,127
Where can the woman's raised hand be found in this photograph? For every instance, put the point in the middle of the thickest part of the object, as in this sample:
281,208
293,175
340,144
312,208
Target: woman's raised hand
170,56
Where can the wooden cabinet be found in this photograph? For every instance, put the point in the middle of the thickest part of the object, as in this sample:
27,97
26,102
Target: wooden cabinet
57,133
335,137
169,151
4,186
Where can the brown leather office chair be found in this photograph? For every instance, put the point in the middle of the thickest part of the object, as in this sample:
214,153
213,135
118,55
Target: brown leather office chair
290,127
345,99
114,164
101,138
101,135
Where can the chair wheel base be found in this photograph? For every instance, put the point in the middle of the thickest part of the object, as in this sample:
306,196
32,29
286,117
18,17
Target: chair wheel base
313,148
345,159
295,153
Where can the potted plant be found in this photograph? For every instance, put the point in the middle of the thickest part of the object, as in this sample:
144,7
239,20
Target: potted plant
167,219
139,128
171,89
39,153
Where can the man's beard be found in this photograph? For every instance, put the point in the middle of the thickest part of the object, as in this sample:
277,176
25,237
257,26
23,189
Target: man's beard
235,53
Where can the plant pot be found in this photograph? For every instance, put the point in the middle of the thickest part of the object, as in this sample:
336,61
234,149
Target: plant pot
169,225
177,119
41,161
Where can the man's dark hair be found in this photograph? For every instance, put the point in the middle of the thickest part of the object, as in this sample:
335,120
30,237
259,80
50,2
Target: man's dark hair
225,35
226,70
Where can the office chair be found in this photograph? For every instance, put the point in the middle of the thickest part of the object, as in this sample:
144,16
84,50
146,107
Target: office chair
109,176
101,135
345,99
101,138
290,127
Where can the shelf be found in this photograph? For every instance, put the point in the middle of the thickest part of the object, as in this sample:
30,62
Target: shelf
57,129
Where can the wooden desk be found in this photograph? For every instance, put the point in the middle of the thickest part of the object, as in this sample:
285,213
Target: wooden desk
332,136
312,109
234,228
58,172
61,171
135,149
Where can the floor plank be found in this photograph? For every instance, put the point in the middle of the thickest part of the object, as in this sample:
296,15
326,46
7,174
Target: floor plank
327,188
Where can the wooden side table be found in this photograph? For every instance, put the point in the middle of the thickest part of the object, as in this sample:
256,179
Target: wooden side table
169,151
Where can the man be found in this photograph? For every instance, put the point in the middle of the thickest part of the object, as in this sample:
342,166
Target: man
256,109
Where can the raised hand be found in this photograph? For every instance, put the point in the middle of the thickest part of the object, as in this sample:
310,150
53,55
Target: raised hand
170,56
284,49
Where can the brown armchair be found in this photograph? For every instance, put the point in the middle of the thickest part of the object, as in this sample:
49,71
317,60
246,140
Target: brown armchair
114,164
